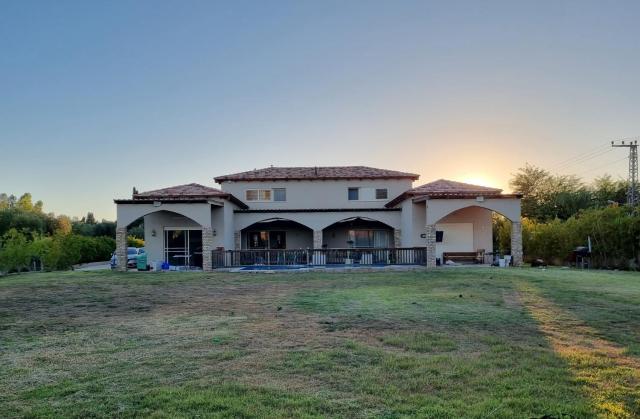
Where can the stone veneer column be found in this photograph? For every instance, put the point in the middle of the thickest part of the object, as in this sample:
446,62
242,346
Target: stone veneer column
430,230
237,239
121,248
317,239
207,248
516,243
397,238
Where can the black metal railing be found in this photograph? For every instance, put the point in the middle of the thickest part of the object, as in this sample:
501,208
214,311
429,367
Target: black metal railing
320,257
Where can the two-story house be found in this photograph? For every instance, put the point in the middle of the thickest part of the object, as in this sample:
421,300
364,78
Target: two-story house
317,215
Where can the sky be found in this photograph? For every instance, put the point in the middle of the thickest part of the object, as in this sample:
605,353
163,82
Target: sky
97,97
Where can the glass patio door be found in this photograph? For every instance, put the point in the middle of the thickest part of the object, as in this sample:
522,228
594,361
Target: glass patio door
183,247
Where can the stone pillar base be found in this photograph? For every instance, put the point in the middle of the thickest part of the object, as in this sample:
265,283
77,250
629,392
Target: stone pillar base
431,245
207,248
397,238
237,239
516,244
121,249
317,239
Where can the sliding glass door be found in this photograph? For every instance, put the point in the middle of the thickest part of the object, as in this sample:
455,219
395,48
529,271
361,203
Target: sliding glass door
183,247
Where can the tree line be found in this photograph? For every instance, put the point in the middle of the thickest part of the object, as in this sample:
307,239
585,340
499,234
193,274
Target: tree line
561,212
32,239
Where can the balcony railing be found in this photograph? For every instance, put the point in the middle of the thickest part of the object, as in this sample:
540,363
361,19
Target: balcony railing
320,257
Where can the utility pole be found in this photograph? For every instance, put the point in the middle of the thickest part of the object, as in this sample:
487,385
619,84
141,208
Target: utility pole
632,192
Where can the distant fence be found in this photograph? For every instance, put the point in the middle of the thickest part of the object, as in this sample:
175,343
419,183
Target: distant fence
320,257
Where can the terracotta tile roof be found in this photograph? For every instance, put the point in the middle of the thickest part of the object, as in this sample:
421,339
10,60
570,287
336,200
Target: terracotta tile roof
322,173
443,188
191,192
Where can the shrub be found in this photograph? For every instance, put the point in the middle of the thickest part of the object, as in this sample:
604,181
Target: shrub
134,242
614,233
15,253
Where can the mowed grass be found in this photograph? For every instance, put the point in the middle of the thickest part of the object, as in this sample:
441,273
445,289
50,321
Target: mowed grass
446,343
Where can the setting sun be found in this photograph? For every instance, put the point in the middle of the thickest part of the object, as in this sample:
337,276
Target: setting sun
480,181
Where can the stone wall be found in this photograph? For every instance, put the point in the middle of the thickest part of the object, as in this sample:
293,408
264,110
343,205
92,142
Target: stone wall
317,239
207,247
430,230
516,244
397,238
121,248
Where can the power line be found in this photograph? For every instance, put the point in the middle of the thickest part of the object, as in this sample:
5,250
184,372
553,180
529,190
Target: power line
584,159
582,155
593,169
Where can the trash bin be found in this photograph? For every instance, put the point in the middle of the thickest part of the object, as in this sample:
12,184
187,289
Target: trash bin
141,262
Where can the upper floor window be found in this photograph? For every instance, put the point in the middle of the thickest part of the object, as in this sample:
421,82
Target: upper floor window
266,195
258,194
368,194
279,194
381,193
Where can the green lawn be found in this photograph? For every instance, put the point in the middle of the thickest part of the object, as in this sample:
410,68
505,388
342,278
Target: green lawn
446,343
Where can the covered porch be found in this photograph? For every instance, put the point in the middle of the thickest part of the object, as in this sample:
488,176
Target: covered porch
320,239
182,225
461,230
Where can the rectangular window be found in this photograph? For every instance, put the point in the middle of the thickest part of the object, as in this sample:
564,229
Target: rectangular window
369,238
265,194
279,194
277,240
252,195
381,194
266,240
257,240
354,194
258,194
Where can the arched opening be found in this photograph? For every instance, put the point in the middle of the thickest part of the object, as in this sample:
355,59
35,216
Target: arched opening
171,239
477,234
276,234
358,233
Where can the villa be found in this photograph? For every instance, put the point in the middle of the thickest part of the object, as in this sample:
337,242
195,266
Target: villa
353,215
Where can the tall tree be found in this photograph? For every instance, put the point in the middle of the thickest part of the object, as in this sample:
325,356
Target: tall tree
25,202
4,201
91,219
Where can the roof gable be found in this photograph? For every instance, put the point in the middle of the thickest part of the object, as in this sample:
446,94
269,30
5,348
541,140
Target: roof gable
443,188
189,193
190,190
316,173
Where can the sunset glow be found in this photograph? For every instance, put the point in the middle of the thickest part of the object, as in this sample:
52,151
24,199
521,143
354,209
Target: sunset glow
481,181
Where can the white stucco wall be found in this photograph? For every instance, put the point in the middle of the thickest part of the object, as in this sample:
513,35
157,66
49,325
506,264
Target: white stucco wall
457,237
419,222
482,232
318,193
316,220
439,208
199,212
